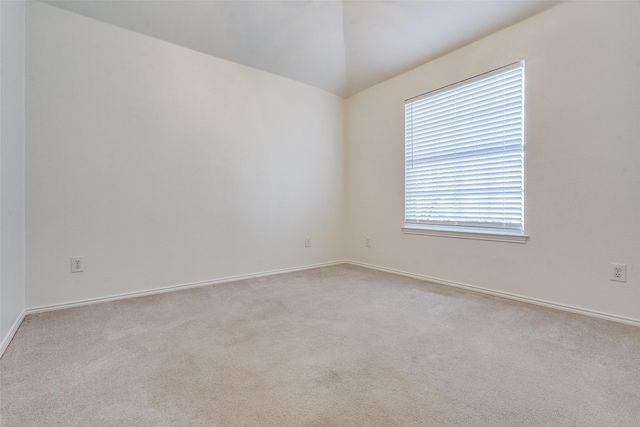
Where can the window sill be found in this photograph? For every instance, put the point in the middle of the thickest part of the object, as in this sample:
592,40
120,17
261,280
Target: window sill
473,234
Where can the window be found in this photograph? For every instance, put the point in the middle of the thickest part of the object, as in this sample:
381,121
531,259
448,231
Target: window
464,158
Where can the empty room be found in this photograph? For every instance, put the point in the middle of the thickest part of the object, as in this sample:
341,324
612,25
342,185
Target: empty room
319,213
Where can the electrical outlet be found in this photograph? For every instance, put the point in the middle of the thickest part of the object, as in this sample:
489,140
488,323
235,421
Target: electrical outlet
617,272
77,264
368,242
307,242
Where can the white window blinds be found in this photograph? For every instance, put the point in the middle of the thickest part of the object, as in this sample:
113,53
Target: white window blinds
464,154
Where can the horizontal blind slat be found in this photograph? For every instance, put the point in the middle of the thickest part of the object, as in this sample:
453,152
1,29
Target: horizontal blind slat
463,153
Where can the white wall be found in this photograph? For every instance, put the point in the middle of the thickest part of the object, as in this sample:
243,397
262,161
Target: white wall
164,166
582,172
12,222
138,158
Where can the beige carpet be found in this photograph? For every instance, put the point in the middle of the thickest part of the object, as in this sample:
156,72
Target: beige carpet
338,346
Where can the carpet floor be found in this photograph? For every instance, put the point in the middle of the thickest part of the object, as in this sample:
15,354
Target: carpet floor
335,346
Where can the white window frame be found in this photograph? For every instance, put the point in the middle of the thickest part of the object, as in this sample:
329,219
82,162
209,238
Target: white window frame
450,218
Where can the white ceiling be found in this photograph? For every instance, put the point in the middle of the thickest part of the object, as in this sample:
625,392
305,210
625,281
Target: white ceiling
340,46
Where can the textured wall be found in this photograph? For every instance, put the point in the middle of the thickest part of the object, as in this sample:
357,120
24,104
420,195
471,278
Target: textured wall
164,166
582,147
12,208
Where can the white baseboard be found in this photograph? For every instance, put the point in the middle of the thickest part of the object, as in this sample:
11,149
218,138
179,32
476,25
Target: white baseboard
45,308
78,303
535,301
14,328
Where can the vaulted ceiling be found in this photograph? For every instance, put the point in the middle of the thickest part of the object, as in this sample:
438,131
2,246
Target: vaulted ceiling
339,46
